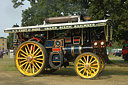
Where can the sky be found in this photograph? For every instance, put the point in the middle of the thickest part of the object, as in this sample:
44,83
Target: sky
9,15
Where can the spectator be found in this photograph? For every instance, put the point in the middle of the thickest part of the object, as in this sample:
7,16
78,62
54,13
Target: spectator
7,52
1,54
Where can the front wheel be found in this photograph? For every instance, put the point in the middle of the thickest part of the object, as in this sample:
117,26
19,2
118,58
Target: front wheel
103,63
31,58
87,65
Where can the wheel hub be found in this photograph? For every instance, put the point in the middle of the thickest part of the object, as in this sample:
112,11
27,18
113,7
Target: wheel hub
29,58
87,66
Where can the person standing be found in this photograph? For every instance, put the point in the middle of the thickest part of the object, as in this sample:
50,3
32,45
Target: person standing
1,54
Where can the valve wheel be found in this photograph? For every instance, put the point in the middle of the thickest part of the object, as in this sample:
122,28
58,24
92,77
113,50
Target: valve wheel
31,58
87,65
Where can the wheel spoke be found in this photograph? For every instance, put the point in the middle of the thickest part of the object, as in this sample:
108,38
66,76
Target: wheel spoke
94,64
21,58
36,50
30,68
94,67
93,61
93,70
22,64
27,68
37,53
87,72
31,49
39,58
38,65
35,67
23,61
82,69
26,50
80,66
82,61
23,52
23,55
87,59
38,62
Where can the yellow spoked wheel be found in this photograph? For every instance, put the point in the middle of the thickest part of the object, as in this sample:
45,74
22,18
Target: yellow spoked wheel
102,62
30,58
87,65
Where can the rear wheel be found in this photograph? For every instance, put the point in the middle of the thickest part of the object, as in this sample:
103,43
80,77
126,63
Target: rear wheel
31,58
87,65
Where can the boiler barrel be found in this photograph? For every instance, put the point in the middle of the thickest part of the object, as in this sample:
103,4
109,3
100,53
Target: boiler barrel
75,50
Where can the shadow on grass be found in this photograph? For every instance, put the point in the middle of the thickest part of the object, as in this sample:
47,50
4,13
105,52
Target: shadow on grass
120,63
107,73
63,72
114,72
66,71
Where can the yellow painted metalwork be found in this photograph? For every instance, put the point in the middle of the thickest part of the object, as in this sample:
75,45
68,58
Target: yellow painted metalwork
111,33
72,51
107,34
102,63
29,59
87,65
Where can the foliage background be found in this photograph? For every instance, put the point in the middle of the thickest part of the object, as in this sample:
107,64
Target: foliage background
117,10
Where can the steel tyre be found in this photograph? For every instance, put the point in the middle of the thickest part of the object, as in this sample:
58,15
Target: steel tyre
103,63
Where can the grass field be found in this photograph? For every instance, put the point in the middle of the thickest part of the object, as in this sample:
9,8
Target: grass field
113,74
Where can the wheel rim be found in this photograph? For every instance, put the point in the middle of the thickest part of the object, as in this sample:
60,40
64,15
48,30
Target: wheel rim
29,59
102,63
87,65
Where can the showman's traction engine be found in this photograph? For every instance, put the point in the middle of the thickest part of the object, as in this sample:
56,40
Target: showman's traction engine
60,40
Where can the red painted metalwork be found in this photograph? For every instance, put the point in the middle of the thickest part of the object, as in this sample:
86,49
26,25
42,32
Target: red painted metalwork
76,39
56,49
36,39
125,50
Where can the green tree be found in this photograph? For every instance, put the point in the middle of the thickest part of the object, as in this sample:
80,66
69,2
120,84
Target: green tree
41,9
117,10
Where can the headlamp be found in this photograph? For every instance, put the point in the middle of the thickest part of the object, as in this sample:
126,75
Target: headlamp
95,43
102,43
